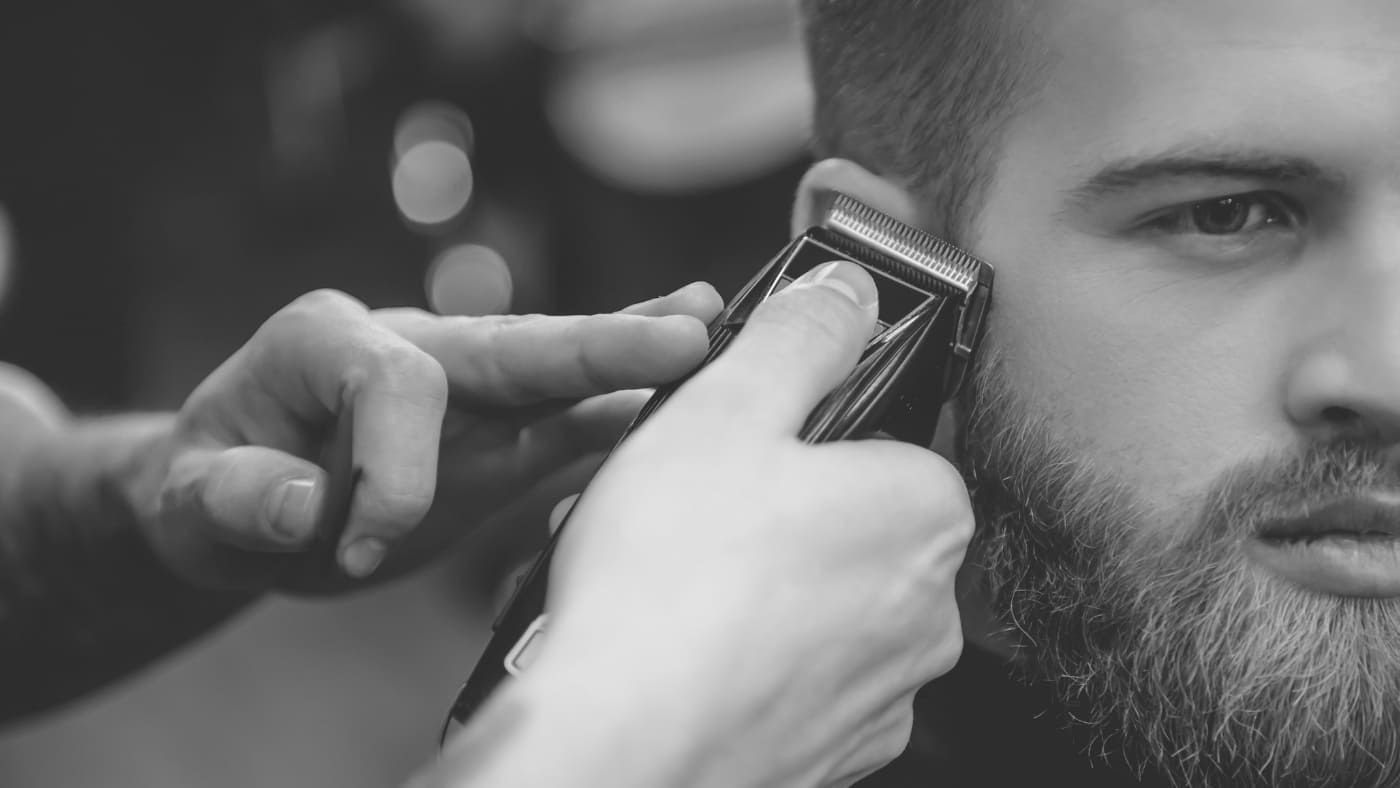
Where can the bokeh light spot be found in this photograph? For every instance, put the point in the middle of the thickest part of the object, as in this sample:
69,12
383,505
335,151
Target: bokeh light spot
469,279
432,182
434,120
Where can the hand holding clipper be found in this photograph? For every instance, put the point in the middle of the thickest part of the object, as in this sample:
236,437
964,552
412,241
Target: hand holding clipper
724,583
788,384
930,300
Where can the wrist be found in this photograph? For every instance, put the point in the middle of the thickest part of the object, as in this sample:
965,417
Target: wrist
101,476
96,482
89,471
96,486
579,725
657,709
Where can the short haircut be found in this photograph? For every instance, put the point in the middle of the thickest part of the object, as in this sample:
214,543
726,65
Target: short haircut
918,91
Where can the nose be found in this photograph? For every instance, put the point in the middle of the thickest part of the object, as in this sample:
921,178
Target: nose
1344,381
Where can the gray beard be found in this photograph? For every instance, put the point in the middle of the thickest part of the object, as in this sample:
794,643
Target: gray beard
1165,648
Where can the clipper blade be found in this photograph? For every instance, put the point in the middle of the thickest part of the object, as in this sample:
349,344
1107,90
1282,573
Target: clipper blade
928,261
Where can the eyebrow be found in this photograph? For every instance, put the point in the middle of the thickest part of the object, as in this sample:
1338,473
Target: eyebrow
1124,175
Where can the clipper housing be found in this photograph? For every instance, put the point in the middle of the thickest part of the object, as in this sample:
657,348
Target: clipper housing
933,301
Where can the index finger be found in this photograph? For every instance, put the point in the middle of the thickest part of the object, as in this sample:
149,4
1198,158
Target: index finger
515,361
796,347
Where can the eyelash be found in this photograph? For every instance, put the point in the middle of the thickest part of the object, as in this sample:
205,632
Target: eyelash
1278,211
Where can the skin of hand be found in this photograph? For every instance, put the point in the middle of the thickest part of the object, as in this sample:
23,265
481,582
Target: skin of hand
338,437
730,606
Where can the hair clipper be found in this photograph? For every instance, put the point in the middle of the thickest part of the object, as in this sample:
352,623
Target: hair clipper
933,299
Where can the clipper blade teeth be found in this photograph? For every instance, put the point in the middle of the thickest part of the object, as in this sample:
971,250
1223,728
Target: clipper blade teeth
929,257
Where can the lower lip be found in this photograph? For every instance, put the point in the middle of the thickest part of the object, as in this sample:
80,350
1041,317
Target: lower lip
1342,566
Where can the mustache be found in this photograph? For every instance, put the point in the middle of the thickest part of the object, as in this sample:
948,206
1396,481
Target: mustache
1252,494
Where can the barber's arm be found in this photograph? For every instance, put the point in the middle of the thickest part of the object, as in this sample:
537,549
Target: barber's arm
82,598
732,607
124,537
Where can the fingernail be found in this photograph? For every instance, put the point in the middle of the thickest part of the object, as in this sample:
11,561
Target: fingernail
846,279
292,509
362,556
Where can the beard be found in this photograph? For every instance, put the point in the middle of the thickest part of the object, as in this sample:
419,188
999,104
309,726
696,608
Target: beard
1168,651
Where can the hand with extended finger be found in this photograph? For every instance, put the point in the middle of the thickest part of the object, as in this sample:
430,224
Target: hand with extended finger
251,488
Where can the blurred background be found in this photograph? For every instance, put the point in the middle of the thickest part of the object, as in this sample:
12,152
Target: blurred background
172,173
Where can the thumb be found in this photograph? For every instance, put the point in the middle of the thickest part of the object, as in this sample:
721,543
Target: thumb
794,348
250,497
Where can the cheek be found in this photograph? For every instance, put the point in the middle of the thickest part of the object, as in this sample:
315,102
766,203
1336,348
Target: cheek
1151,381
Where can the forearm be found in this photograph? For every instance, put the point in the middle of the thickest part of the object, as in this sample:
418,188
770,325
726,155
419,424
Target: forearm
83,600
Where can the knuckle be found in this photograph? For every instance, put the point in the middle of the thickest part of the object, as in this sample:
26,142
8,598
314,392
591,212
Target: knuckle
953,515
902,727
405,366
945,492
497,375
589,335
965,527
946,645
942,660
951,642
930,487
320,311
406,320
328,301
893,737
405,312
943,477
962,522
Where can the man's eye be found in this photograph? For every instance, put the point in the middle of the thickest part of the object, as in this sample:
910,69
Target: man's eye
1234,215
1231,230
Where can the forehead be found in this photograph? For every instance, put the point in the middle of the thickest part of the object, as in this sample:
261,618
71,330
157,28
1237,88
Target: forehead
1126,77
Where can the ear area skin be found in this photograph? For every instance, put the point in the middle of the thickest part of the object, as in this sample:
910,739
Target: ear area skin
845,176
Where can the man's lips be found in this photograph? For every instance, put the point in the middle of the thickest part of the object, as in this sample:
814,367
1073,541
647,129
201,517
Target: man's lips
1374,514
1345,547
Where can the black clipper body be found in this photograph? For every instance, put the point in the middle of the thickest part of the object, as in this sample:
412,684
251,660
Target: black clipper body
933,299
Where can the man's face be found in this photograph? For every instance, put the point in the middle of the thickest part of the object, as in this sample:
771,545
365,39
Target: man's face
1193,382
